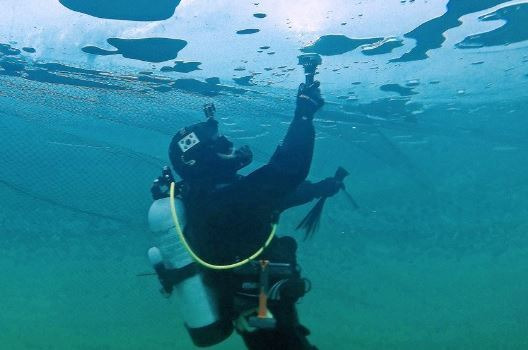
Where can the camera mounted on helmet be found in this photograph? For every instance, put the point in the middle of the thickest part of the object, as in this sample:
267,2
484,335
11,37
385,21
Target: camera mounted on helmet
209,110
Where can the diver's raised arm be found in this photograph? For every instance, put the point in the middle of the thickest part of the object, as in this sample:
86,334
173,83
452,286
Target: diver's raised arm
308,191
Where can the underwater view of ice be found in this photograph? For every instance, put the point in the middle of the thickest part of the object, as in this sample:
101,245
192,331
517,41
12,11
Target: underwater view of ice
426,107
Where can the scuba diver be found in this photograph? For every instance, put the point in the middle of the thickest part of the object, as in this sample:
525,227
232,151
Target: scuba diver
216,247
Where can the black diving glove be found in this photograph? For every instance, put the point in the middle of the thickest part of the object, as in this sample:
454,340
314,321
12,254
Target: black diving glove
244,156
328,187
309,100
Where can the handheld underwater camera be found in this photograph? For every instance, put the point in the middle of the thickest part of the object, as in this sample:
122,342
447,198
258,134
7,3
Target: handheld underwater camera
309,61
209,110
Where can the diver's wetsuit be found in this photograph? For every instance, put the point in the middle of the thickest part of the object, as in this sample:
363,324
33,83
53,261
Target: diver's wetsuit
230,221
236,215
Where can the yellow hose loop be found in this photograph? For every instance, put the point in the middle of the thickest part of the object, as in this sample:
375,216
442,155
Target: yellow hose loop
200,260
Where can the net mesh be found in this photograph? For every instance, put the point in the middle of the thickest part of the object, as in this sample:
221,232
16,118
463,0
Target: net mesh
96,152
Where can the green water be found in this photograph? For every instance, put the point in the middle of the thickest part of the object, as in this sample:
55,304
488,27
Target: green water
427,112
435,257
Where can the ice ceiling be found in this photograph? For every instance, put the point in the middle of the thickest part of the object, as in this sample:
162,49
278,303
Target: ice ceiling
432,49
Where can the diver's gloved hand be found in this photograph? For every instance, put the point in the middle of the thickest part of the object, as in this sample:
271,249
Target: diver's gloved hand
328,187
244,155
309,100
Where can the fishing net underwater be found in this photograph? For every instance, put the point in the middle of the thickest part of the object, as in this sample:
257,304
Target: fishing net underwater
89,151
75,179
427,114
77,164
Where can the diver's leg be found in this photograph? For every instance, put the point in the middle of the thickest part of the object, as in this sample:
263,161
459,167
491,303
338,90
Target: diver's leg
276,340
289,334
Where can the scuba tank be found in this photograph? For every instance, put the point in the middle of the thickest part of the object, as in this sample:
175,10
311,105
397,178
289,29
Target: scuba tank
178,273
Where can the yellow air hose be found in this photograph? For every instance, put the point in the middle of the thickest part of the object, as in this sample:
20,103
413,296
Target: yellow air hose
200,260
